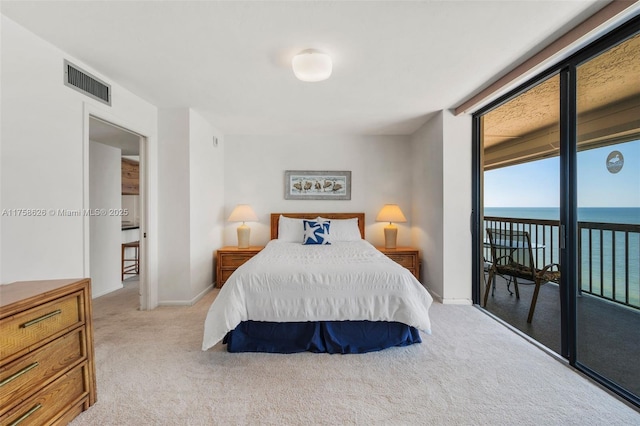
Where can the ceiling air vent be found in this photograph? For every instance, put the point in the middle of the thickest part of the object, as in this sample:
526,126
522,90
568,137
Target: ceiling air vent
84,82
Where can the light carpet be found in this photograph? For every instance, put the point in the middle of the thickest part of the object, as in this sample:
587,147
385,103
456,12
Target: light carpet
470,371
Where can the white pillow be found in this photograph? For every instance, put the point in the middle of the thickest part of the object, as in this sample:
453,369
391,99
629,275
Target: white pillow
290,230
343,229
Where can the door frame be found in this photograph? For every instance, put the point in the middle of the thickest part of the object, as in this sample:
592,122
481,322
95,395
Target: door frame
148,286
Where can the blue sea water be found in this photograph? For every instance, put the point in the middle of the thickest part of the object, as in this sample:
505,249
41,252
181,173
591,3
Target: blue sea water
609,261
585,214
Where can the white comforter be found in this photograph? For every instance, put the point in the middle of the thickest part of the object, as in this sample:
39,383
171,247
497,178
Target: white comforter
289,282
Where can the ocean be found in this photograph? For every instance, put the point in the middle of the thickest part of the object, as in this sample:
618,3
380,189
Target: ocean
609,260
585,214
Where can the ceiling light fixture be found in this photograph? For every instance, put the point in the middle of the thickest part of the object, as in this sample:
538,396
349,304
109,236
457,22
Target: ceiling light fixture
312,65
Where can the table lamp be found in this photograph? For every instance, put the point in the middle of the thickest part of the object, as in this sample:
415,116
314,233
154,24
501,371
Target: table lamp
390,213
243,213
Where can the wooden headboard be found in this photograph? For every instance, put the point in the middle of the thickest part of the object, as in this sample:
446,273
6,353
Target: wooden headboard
276,216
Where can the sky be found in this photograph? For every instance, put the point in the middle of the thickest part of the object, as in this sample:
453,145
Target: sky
536,184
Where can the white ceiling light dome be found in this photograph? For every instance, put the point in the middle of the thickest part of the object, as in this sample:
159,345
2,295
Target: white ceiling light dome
312,65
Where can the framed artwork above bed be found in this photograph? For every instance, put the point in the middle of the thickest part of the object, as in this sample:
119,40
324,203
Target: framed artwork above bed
317,185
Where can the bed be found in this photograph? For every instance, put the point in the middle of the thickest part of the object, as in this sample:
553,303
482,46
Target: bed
338,296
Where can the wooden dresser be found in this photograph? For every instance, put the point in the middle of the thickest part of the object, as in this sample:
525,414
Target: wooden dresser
228,259
47,372
408,257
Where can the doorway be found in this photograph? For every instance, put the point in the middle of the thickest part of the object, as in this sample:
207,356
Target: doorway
117,207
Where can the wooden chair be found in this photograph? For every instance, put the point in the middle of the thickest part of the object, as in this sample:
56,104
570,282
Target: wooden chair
131,268
523,267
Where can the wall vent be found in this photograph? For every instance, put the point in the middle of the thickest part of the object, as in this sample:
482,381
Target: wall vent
86,83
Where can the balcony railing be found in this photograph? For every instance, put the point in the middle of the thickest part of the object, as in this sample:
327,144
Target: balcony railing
610,261
608,258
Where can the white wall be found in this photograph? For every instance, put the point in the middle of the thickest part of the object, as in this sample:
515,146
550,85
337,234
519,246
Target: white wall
44,126
41,161
427,212
255,166
191,204
1,162
174,276
456,249
442,170
207,200
131,204
129,236
105,189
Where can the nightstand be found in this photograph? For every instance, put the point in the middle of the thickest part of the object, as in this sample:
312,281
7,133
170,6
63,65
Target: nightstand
406,256
228,259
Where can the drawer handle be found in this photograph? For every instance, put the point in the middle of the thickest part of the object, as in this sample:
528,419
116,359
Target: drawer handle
18,374
27,414
42,318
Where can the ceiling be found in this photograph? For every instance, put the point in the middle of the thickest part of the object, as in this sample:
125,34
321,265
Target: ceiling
108,134
527,127
396,63
607,79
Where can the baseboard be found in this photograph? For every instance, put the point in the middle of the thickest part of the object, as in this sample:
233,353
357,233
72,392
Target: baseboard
436,296
191,302
449,301
110,290
456,302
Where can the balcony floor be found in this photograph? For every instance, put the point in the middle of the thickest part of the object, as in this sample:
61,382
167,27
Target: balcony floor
608,333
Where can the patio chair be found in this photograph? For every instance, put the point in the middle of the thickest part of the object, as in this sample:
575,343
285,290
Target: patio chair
487,267
517,266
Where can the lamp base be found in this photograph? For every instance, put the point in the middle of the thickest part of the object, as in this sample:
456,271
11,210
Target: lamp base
243,236
390,236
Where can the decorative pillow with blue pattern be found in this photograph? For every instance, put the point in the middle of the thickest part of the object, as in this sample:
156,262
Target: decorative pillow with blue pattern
316,232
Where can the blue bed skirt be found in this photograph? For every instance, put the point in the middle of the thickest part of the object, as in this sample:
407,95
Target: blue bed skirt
343,337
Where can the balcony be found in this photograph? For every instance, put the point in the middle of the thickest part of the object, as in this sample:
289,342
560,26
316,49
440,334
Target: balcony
608,303
609,257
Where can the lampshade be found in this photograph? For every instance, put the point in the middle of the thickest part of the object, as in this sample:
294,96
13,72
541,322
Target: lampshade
243,213
391,213
312,65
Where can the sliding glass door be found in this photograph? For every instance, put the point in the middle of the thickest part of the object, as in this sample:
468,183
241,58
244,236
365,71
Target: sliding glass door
558,159
521,174
608,228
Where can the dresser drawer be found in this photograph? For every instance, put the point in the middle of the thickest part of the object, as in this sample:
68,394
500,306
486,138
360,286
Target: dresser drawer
56,398
39,324
408,257
228,259
22,377
74,412
405,260
233,260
